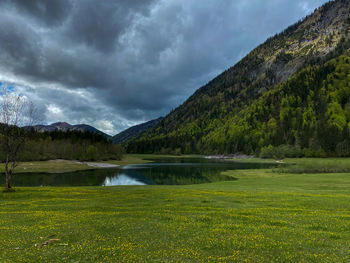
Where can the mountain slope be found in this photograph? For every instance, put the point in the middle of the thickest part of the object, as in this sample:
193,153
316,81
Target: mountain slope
311,111
318,38
64,126
134,131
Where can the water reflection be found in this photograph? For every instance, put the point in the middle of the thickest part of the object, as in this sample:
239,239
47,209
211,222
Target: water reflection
166,171
121,180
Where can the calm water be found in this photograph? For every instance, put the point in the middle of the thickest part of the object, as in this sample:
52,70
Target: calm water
164,171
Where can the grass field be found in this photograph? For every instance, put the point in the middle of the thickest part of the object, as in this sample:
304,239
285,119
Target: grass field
264,216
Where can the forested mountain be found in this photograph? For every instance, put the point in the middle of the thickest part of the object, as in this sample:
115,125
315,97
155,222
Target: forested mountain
64,126
134,131
292,90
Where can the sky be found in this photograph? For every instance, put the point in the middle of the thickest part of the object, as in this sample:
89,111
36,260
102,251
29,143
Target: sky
114,64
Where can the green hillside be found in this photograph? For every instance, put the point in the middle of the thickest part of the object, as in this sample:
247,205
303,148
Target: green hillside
310,110
271,97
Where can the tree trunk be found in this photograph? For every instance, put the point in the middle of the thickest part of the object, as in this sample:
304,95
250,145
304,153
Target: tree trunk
8,173
8,180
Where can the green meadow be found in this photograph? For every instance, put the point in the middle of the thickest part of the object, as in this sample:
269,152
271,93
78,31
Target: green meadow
270,215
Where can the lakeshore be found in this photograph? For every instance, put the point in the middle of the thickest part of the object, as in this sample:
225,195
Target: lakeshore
265,215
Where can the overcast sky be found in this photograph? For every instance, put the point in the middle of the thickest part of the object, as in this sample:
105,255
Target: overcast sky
113,64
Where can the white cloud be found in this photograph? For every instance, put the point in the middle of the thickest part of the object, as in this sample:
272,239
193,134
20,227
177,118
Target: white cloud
106,126
54,112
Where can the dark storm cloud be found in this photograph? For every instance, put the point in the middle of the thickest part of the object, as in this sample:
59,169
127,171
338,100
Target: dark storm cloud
115,63
50,12
98,24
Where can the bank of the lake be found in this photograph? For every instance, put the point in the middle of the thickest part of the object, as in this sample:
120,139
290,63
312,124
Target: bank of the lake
161,170
299,165
62,166
264,216
288,213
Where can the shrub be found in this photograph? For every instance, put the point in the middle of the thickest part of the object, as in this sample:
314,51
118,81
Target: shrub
281,151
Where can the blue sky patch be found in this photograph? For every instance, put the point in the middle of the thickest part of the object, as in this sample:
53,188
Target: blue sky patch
10,88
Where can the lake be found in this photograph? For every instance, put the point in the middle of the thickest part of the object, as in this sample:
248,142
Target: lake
162,171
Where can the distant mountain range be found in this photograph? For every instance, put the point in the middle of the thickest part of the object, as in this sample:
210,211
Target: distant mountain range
64,126
134,131
121,137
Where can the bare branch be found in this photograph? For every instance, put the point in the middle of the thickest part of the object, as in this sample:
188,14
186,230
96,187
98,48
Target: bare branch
15,112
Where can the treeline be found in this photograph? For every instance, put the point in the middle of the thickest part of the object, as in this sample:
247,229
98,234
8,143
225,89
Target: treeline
308,115
71,145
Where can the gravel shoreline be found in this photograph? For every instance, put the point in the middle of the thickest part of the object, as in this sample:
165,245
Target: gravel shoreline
225,157
100,165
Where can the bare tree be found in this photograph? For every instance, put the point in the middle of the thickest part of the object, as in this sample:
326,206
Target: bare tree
16,111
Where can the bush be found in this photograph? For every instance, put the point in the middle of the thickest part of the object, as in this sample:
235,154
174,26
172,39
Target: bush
320,153
281,151
291,151
267,152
